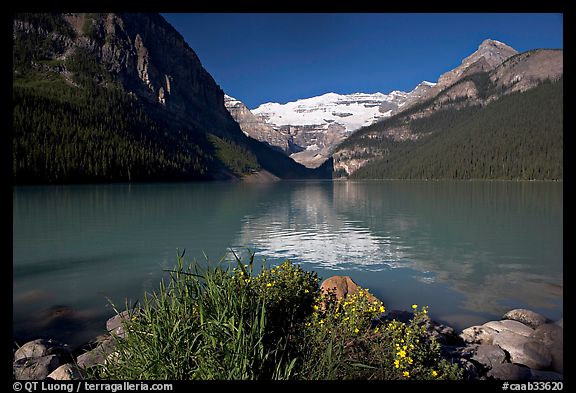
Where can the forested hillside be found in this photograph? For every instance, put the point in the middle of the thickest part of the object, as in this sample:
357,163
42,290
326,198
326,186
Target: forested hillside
519,136
100,98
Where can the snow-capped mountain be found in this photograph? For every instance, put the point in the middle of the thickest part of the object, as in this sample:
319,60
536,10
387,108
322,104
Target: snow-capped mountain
352,111
314,126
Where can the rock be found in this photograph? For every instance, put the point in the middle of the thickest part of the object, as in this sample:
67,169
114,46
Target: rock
478,335
489,356
560,322
40,347
523,350
35,368
114,324
509,372
511,326
98,355
552,336
457,352
470,371
343,286
549,334
539,375
66,372
527,317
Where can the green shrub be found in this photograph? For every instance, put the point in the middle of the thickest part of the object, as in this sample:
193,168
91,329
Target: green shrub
229,323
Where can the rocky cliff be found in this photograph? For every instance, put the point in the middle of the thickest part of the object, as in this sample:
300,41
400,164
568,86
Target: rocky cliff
148,61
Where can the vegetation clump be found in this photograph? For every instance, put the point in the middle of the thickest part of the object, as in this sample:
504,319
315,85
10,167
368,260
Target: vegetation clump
231,323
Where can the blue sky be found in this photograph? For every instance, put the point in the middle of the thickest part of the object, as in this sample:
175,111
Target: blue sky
260,58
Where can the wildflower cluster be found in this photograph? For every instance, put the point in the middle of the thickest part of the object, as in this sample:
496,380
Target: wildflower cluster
347,317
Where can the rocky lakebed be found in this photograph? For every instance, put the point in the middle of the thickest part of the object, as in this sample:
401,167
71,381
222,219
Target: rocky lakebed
522,346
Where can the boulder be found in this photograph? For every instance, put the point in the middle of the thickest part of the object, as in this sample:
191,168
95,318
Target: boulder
549,334
343,286
41,347
524,350
560,322
478,335
35,368
552,336
510,326
98,355
509,372
527,317
115,325
539,375
469,369
66,372
489,356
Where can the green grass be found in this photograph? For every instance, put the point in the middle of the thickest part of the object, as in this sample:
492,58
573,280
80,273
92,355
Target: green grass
228,323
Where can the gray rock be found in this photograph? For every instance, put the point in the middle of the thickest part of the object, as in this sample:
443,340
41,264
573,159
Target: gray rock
549,334
524,350
98,355
470,372
552,336
35,368
509,372
510,326
115,326
560,322
489,356
527,317
40,347
457,352
66,372
478,335
539,375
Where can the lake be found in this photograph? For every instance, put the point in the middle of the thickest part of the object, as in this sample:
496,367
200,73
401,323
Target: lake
470,250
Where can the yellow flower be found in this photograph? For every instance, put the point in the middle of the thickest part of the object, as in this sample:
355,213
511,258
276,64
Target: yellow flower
269,285
306,291
381,309
321,322
356,330
397,363
402,353
406,374
409,360
414,306
434,373
315,307
376,330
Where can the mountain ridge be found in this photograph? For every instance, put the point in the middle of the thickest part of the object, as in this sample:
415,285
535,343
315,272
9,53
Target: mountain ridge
176,126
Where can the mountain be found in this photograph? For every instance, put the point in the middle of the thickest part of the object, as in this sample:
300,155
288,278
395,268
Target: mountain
498,115
310,128
122,97
255,127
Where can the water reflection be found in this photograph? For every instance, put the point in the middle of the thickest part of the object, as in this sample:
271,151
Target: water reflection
470,250
497,243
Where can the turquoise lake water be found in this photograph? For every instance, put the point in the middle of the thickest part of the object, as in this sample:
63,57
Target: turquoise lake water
470,250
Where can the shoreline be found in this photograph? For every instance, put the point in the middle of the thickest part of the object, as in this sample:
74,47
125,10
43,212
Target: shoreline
522,345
